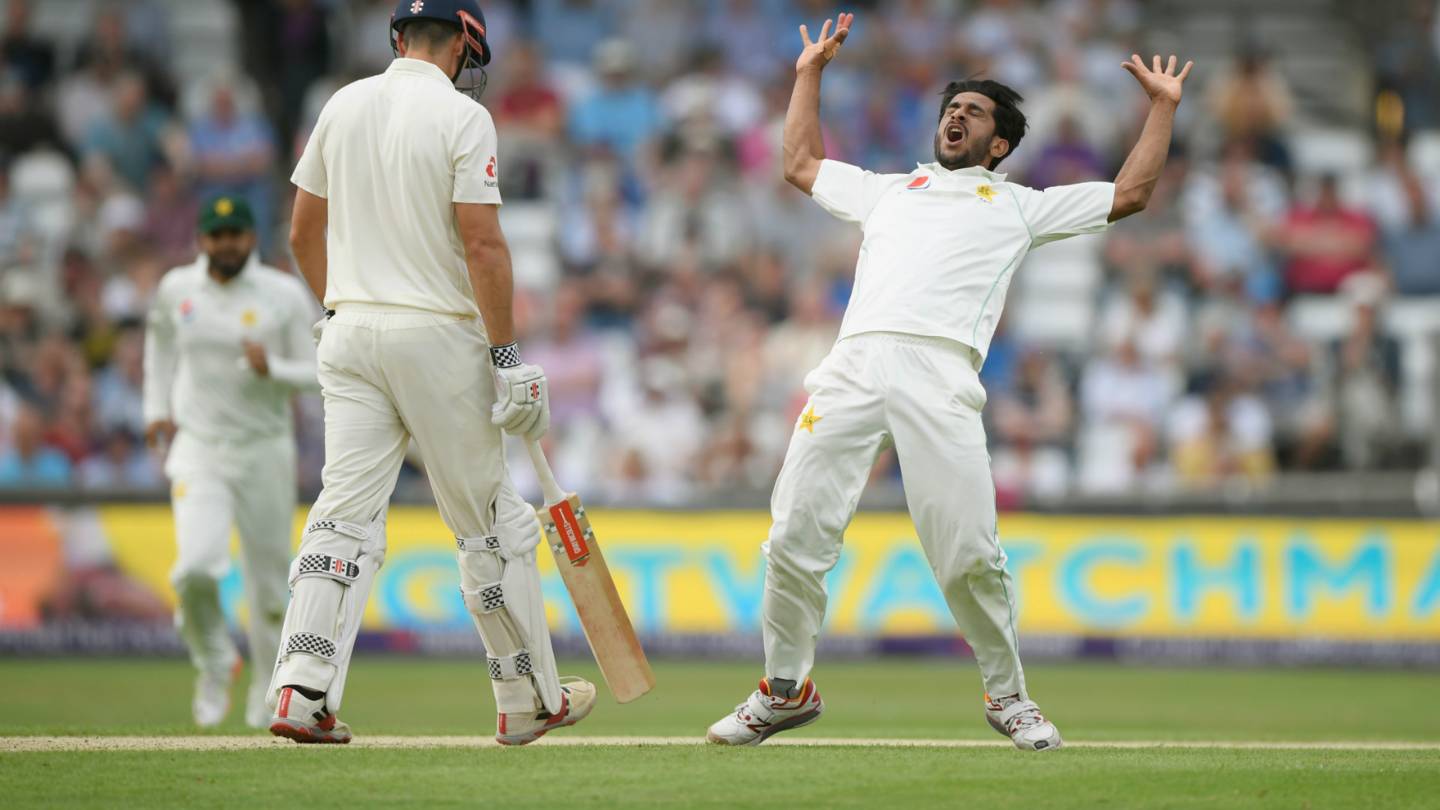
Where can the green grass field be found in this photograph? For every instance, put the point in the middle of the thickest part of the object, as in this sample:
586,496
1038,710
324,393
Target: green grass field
910,700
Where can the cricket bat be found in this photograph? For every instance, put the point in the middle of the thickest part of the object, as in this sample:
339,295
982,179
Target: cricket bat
602,615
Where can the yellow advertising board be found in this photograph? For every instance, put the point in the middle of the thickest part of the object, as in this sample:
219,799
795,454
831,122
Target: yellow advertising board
702,572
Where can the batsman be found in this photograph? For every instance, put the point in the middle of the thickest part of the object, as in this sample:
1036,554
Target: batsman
940,247
396,228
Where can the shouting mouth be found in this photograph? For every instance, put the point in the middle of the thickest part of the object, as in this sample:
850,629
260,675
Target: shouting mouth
954,134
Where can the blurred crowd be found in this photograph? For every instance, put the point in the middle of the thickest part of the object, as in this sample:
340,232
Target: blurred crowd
675,289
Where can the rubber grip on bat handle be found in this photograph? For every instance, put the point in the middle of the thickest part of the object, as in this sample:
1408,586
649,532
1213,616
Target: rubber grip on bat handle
548,486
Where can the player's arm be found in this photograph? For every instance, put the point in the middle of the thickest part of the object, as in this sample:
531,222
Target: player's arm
487,258
160,362
804,145
1137,178
294,366
308,221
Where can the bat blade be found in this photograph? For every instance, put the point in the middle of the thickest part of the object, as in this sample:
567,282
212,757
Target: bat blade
602,615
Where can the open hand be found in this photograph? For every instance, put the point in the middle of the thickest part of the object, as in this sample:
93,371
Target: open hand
1159,85
818,54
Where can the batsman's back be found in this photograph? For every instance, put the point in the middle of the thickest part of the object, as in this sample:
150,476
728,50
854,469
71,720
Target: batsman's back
391,153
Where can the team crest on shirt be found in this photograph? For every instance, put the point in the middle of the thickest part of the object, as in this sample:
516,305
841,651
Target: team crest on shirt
248,318
985,192
187,310
919,183
808,419
490,172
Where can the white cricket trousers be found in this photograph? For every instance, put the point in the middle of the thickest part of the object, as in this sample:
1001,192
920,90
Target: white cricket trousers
216,486
390,374
923,397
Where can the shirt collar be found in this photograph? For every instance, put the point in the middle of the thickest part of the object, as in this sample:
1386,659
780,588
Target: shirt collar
969,171
417,67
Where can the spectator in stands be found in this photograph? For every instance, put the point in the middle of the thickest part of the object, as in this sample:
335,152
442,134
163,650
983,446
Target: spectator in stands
1407,208
1068,158
29,58
25,124
1229,213
1253,104
170,215
1266,356
28,463
1366,377
1155,320
1221,436
622,117
531,114
131,138
696,218
709,94
122,464
1408,61
1325,241
234,153
118,401
1031,424
1123,399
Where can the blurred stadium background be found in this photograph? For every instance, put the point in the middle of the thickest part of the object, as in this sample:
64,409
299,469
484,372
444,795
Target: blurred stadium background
1214,428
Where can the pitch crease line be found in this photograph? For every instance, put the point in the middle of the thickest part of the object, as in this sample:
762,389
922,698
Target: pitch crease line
257,742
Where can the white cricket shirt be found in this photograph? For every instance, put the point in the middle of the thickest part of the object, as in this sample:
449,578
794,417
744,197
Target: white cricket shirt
195,368
391,153
941,246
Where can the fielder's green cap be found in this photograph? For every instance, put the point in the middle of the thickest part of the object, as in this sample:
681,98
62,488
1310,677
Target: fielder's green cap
226,211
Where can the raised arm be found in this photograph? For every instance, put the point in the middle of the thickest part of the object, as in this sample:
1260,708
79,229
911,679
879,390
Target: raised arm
307,239
804,145
1136,180
487,257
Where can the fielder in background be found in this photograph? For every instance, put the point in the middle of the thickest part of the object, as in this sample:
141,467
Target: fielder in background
940,247
227,344
402,171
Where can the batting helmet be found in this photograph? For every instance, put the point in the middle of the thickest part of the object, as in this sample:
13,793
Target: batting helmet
463,13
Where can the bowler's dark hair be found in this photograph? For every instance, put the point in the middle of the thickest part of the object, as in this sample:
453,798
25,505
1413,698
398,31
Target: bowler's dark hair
1009,121
429,33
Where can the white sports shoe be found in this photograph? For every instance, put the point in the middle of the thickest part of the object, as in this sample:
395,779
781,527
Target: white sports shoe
1022,722
764,714
306,720
212,695
257,714
577,698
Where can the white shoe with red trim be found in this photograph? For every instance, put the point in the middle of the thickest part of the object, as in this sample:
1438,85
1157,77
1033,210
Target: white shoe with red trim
1022,722
306,720
212,694
764,715
577,699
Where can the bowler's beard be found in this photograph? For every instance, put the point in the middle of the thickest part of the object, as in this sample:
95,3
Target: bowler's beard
227,269
974,155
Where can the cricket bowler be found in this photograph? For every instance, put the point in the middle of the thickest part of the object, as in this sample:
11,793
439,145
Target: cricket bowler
396,228
227,343
940,246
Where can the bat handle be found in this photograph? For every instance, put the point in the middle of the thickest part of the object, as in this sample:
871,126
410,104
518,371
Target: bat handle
548,486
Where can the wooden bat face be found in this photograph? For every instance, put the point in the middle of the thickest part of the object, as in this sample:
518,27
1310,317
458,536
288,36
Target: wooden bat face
602,615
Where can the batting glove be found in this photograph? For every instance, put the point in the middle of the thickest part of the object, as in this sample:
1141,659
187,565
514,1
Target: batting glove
522,396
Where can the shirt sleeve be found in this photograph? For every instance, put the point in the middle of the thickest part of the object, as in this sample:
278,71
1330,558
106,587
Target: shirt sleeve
295,367
847,192
475,157
1060,212
310,173
159,359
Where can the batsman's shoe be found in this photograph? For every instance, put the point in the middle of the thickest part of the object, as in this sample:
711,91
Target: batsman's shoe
306,720
765,714
577,698
1022,722
212,694
257,714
